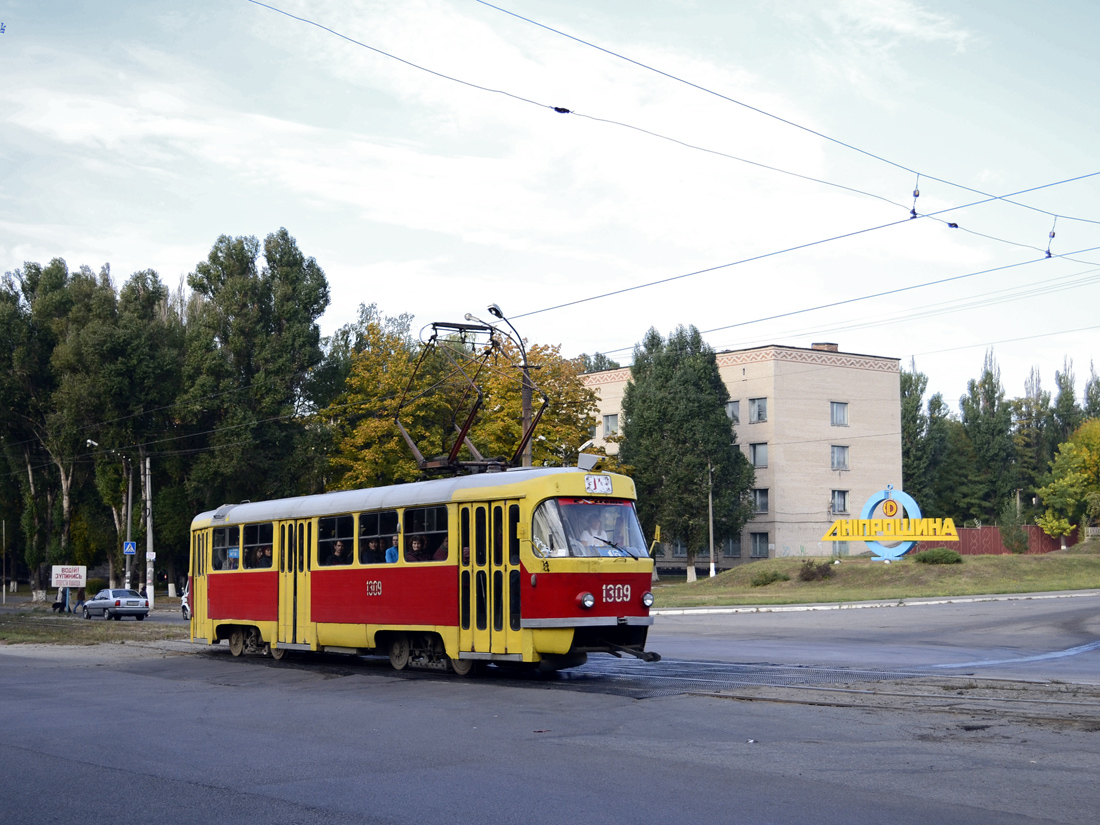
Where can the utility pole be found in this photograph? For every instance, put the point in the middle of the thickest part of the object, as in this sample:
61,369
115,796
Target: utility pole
496,312
4,565
149,554
710,513
129,509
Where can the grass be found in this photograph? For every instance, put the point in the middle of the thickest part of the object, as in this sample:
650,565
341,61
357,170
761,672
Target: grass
39,625
860,579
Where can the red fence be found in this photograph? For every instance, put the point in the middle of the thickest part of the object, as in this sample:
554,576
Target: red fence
986,541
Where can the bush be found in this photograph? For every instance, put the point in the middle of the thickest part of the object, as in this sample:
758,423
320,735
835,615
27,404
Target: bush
766,577
94,586
938,555
812,572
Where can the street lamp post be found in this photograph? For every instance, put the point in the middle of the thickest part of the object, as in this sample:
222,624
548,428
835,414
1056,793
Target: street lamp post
710,513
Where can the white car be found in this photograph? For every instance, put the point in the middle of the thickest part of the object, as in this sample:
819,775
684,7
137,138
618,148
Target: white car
114,604
185,602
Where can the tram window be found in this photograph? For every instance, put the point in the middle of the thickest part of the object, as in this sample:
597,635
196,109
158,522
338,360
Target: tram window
587,527
498,536
256,552
377,533
465,539
425,534
282,548
479,537
482,597
335,539
227,548
513,534
513,599
466,597
498,600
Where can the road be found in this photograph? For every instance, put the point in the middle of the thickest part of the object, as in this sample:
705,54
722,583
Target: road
175,733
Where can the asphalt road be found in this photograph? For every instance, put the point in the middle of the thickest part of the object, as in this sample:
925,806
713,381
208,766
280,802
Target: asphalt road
171,733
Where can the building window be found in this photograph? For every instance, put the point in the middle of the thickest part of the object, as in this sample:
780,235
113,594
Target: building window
610,425
759,545
838,413
679,549
758,455
733,411
731,548
840,501
840,457
758,410
760,501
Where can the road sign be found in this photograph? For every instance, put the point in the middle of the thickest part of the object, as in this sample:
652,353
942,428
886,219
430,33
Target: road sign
129,548
151,556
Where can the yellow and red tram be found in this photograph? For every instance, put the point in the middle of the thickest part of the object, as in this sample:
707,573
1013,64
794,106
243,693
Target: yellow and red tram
529,566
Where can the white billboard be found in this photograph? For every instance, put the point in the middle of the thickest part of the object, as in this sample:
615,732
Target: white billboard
68,575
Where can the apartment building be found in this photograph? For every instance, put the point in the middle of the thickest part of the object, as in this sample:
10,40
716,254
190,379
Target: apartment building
822,428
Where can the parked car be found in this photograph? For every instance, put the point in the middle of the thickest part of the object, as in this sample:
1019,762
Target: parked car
114,604
185,602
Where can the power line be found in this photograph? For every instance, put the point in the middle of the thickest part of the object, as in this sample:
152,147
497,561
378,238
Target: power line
564,110
807,245
778,118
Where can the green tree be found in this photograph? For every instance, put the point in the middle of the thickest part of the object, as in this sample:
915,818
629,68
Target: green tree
674,433
1013,535
252,341
1074,476
987,421
598,362
1066,412
1031,437
1091,407
915,447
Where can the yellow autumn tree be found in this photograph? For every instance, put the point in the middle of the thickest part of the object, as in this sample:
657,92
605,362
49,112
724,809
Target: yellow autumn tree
370,450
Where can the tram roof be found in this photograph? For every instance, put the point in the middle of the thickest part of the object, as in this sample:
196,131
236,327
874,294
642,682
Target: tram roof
418,493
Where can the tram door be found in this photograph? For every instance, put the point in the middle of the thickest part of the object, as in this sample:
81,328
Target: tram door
199,561
296,537
489,577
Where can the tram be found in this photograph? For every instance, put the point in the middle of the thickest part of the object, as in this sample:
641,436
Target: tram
528,567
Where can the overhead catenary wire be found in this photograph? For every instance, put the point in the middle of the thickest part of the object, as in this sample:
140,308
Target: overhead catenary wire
564,110
774,116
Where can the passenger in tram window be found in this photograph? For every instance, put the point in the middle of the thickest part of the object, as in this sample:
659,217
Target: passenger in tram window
440,553
391,552
265,556
369,552
418,550
340,555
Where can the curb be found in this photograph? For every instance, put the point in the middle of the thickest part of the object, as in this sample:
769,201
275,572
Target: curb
800,608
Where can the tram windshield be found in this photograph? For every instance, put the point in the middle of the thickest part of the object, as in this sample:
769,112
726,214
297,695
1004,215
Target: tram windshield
587,527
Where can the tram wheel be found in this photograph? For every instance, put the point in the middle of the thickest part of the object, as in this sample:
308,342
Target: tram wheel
277,653
236,641
464,667
399,651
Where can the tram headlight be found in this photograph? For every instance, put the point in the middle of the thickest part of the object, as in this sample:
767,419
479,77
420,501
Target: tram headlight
647,599
586,600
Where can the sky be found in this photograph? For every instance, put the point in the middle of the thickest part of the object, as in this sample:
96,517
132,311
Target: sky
744,167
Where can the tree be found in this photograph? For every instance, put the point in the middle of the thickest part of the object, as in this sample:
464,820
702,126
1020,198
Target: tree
252,341
1074,476
1091,407
915,456
1066,412
987,421
369,449
1013,535
1031,436
676,435
598,362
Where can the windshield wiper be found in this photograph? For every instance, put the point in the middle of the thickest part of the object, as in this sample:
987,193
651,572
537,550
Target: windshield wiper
624,550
